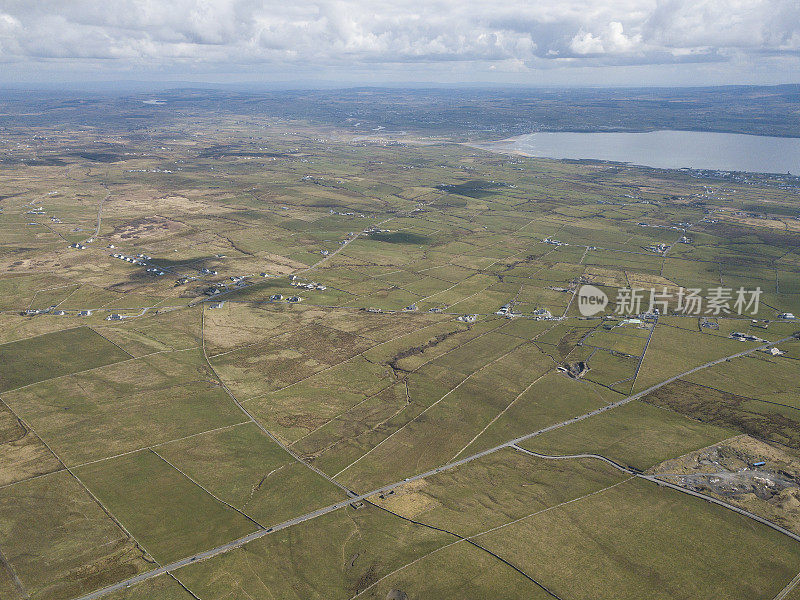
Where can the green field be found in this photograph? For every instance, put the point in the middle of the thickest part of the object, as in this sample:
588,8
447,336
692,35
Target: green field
330,310
53,355
121,408
243,467
52,521
165,511
636,434
335,557
638,541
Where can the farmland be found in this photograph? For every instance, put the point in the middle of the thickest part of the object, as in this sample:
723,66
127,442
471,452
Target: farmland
247,355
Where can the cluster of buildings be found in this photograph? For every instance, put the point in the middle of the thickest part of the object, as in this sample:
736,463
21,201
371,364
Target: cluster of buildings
203,271
279,298
682,226
313,285
139,259
35,311
658,248
60,313
218,287
773,351
346,214
215,289
745,337
52,310
506,311
708,324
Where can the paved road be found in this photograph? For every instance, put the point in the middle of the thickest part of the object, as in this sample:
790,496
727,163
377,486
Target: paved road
451,465
339,249
616,465
789,587
638,395
99,216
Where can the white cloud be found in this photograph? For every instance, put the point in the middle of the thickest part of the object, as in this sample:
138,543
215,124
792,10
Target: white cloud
611,40
244,35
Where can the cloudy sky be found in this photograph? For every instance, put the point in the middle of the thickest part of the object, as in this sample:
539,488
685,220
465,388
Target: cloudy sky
534,42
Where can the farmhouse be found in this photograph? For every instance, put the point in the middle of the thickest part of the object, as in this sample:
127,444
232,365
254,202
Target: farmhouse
774,351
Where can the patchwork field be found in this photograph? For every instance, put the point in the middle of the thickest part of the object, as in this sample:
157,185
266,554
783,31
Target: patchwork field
295,362
55,354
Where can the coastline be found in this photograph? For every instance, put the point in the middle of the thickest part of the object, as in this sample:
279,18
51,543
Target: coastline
669,149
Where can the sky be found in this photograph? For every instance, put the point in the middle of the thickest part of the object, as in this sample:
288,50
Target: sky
377,42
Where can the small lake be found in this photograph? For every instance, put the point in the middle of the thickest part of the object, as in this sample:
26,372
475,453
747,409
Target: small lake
666,149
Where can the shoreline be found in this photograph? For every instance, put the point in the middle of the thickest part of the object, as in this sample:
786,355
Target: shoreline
511,146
